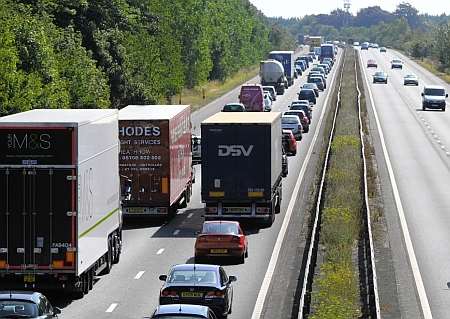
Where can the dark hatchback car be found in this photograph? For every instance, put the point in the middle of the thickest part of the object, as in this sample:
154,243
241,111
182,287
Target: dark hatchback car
198,284
233,107
183,311
302,107
317,81
380,77
26,304
307,94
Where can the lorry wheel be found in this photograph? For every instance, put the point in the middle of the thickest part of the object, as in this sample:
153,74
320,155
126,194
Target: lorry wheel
278,206
242,259
117,249
91,279
109,256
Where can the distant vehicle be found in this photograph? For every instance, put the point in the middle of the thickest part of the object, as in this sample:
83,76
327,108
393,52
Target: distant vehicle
383,49
380,77
206,285
307,94
302,64
312,86
289,143
196,147
271,90
372,63
161,180
233,107
306,59
298,69
292,123
433,97
26,304
320,69
242,147
312,56
271,73
396,64
375,45
318,81
252,96
325,66
317,51
284,165
304,106
330,60
221,238
267,102
286,58
410,79
356,44
302,117
183,311
327,51
314,41
320,75
365,46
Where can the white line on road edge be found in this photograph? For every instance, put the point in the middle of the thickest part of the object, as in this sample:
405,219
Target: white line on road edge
139,274
159,252
176,232
426,311
111,308
259,305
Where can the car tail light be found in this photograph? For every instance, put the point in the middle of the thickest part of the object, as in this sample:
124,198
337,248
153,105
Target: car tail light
202,239
58,264
215,294
169,293
2,264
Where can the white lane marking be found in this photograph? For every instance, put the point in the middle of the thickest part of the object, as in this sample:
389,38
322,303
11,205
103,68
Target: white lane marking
176,232
111,308
259,305
438,141
159,252
190,215
426,310
139,275
443,147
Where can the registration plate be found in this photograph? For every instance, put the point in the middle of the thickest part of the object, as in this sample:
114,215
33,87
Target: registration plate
135,210
29,278
189,294
238,210
219,251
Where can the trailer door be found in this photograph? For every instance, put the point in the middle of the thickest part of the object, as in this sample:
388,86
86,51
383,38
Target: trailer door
37,223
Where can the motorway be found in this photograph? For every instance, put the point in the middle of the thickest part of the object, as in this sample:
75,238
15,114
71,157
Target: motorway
417,147
131,290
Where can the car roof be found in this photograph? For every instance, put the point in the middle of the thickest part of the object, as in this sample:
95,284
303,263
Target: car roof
433,87
175,309
20,295
287,132
306,90
197,267
221,222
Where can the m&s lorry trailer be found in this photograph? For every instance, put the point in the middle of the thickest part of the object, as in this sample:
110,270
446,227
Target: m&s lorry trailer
60,216
155,159
242,166
286,58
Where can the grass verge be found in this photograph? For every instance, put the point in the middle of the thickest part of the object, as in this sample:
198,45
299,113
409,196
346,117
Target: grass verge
434,68
336,286
202,95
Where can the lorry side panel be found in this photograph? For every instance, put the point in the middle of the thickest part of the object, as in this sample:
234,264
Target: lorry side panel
145,160
36,198
236,161
180,154
276,151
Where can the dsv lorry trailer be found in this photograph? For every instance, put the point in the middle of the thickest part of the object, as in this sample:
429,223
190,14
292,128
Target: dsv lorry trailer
242,166
60,217
155,159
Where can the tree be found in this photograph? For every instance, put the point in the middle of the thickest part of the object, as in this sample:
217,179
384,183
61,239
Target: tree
407,11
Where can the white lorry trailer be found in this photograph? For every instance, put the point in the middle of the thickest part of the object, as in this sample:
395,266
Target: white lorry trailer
60,216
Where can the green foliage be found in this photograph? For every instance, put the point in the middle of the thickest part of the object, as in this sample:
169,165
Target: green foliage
110,53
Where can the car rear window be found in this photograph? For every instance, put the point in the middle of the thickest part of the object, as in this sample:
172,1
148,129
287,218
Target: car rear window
434,92
220,228
193,277
289,120
16,309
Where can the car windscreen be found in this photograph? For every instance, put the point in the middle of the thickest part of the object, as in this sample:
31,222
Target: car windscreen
379,74
434,92
315,79
220,228
192,277
289,120
232,107
187,316
17,309
305,94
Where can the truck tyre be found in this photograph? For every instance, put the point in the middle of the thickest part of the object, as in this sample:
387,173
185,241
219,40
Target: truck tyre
108,261
91,279
278,206
242,259
117,249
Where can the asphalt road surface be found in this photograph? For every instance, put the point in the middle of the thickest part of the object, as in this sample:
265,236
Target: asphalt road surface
131,290
418,146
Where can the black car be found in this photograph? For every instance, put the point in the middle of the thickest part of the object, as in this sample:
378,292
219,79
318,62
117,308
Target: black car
198,284
302,107
233,107
180,311
26,304
307,94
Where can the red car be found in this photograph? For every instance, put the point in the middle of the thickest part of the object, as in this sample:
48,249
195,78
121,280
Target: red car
372,63
289,143
221,238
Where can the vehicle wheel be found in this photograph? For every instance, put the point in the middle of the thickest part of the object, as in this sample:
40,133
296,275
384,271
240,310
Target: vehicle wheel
85,280
78,292
306,129
423,108
242,259
246,253
183,204
443,109
107,270
117,249
172,212
91,279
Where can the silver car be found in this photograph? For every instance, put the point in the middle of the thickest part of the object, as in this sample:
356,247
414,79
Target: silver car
292,123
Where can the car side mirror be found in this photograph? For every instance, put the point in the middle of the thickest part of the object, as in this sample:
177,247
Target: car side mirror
232,279
446,95
56,311
163,277
421,94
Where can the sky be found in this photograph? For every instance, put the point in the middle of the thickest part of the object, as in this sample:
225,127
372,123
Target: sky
299,8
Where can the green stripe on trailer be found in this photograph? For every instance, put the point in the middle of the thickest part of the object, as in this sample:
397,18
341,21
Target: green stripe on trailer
98,223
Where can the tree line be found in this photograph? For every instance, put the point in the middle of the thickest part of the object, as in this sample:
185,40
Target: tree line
111,53
420,35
